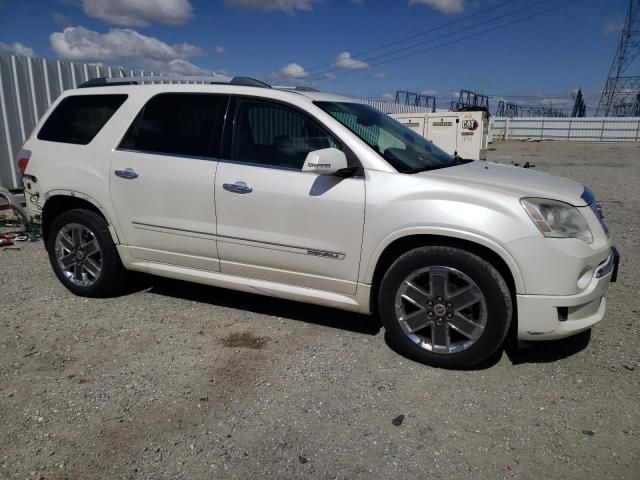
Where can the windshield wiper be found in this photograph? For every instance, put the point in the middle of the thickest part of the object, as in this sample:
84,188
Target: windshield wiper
461,161
456,160
419,169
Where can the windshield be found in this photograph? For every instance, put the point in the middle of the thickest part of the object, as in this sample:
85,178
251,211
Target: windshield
404,149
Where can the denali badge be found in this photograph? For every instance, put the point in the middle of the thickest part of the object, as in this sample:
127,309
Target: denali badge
322,253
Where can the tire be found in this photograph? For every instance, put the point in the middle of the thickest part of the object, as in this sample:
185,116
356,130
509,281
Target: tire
456,329
82,237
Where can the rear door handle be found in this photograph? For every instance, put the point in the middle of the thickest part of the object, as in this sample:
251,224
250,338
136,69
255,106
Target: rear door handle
238,187
127,173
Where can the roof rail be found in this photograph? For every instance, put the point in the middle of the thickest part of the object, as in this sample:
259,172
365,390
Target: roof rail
216,79
298,88
248,82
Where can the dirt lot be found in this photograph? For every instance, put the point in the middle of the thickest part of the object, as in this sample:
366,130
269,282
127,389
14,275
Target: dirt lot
176,380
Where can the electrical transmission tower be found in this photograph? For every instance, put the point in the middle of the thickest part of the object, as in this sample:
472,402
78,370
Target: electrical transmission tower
579,107
404,97
620,92
469,99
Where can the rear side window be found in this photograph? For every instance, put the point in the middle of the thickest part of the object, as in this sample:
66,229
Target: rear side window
79,118
177,124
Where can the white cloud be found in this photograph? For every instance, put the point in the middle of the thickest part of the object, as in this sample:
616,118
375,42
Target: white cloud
139,13
445,6
431,93
345,60
179,66
388,96
380,75
613,26
126,45
219,50
293,70
289,6
16,48
329,76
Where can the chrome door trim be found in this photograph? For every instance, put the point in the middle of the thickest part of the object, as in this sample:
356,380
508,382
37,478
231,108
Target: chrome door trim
246,241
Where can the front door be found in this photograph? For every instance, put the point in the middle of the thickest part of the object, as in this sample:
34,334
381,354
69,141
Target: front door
274,221
162,180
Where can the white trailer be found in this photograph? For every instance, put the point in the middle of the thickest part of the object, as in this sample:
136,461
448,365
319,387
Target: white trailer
457,133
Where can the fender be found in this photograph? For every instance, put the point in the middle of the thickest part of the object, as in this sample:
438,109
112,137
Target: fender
113,228
447,232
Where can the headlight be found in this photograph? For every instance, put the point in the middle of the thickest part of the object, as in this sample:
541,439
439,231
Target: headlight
557,219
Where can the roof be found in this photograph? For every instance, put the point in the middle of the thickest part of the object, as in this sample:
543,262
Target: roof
235,85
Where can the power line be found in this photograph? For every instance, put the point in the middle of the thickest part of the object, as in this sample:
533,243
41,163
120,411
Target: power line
416,35
482,32
426,42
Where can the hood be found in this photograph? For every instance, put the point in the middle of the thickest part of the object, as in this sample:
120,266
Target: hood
519,181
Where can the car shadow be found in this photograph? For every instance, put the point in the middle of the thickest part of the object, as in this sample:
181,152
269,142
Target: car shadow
547,351
260,304
517,352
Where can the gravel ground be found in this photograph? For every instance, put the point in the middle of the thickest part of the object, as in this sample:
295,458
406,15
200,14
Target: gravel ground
176,380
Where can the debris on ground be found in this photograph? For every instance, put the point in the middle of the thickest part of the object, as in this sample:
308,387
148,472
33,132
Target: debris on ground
5,241
398,420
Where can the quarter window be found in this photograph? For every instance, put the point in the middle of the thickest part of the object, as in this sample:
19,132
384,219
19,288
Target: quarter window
79,118
271,134
178,124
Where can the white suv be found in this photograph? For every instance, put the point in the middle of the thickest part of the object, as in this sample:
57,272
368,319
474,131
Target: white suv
318,198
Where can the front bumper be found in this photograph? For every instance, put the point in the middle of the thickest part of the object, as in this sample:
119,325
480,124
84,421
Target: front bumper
549,317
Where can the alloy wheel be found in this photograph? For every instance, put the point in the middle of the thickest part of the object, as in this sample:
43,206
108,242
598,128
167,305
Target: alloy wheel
441,309
78,254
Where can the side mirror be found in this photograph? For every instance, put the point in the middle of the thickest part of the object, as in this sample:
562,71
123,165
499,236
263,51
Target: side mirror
325,161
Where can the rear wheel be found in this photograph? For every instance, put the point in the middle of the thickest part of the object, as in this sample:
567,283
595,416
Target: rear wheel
83,255
445,306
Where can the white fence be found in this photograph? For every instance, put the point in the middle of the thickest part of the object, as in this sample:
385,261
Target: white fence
585,129
27,87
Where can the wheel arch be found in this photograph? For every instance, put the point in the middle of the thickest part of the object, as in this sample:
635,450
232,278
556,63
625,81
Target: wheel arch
484,248
59,202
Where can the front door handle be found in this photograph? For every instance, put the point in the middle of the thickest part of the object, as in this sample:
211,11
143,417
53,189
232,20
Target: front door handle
127,173
238,187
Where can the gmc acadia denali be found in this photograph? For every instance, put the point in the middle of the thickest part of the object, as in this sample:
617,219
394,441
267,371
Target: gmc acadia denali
318,198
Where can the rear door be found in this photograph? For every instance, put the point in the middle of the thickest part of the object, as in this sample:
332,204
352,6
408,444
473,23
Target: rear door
162,180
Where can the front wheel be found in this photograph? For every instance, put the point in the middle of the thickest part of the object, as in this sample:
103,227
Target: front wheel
445,307
83,255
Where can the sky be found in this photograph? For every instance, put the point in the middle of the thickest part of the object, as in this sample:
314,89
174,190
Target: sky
335,45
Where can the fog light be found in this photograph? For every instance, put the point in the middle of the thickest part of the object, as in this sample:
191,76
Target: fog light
585,278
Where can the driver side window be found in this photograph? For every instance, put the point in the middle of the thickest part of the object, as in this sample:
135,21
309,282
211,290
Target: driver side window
271,134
